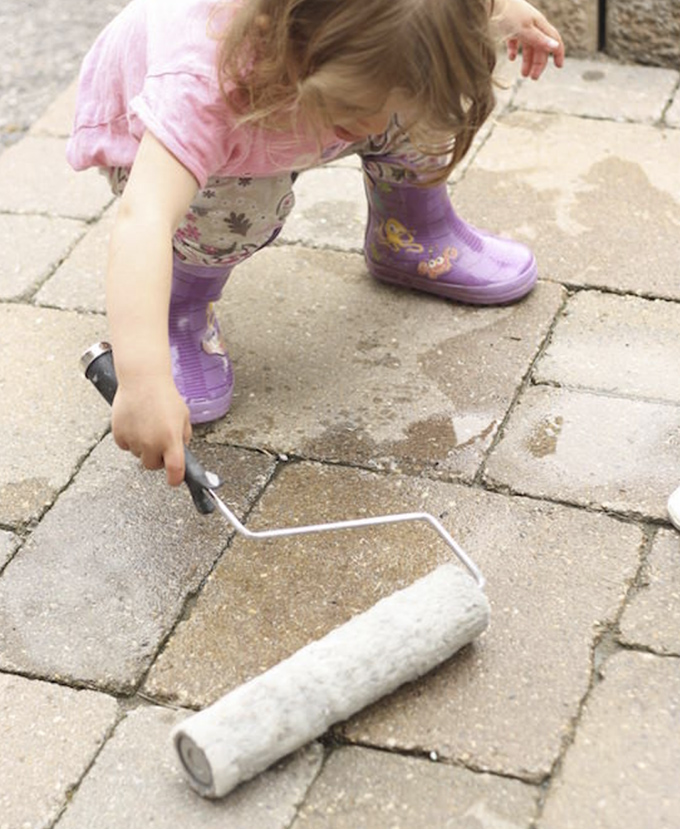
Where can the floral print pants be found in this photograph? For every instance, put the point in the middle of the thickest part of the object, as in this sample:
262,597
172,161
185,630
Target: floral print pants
231,218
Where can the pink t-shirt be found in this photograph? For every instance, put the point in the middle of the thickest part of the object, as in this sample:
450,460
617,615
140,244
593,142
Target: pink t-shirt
154,68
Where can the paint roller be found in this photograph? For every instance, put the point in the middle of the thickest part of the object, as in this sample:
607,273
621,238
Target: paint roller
399,639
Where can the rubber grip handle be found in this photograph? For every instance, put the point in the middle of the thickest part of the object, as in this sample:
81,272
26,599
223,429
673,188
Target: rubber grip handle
99,369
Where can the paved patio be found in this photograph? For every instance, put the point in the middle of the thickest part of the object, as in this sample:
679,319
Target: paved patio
545,434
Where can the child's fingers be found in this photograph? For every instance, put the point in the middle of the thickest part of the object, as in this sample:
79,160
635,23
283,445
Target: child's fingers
513,48
551,40
174,464
539,63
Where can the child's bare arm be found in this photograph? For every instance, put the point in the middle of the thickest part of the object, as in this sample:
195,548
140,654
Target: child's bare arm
149,417
520,24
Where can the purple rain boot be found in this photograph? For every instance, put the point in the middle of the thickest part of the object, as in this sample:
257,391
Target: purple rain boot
415,239
200,364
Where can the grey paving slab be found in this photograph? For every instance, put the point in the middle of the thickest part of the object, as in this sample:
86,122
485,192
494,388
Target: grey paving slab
103,578
330,210
554,574
332,365
57,120
599,202
137,781
364,789
621,771
79,282
652,618
35,178
49,737
49,418
8,544
672,117
601,89
48,240
592,450
619,344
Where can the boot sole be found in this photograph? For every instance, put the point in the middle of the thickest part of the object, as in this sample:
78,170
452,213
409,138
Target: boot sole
502,294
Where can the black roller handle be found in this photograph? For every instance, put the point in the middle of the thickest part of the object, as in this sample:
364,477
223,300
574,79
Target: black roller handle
97,363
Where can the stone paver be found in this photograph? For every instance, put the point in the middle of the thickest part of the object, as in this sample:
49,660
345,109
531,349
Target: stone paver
673,112
78,284
35,178
49,240
49,737
8,544
137,781
652,618
621,771
607,452
330,364
49,418
364,789
330,210
554,574
102,580
588,196
57,120
618,344
601,89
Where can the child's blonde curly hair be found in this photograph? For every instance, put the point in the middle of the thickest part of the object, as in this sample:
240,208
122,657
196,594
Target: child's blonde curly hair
280,60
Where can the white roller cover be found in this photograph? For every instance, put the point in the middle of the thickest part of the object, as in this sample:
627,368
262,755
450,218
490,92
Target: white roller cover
399,639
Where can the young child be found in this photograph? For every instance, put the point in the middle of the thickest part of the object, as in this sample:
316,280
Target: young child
202,113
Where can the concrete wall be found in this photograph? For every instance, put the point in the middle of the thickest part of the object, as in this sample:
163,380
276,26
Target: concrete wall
644,31
639,31
577,20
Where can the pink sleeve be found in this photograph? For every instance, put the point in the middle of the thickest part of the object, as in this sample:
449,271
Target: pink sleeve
189,117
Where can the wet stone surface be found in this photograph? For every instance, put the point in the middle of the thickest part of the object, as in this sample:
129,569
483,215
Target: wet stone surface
330,210
505,703
591,450
120,552
588,196
337,367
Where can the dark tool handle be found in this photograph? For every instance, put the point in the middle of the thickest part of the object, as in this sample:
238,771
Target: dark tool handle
98,365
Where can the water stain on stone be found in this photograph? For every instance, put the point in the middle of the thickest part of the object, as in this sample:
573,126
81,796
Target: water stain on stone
23,500
543,438
593,75
427,443
428,440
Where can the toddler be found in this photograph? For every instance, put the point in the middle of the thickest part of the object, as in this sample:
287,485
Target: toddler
202,114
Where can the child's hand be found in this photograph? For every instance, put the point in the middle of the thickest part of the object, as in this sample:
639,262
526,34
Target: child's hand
151,420
521,25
